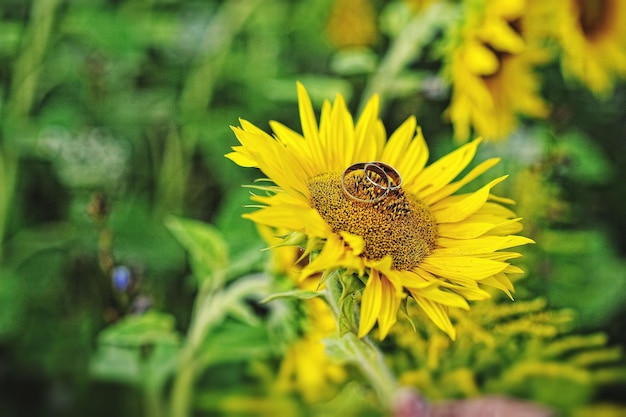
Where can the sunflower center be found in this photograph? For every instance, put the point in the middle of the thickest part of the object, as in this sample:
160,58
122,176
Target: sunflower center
370,203
594,16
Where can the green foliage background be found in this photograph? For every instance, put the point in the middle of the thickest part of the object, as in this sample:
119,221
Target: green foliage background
114,119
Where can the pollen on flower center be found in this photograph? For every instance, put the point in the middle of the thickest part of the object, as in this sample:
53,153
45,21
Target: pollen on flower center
397,224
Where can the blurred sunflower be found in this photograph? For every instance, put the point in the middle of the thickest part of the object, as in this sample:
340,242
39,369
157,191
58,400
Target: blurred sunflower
592,34
490,66
370,208
352,23
306,369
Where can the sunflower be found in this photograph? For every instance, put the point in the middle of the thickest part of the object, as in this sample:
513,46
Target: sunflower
490,65
370,208
592,34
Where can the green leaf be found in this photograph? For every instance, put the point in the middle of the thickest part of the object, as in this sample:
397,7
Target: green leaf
207,248
132,365
347,316
298,294
585,273
140,350
587,163
135,331
235,342
12,294
116,363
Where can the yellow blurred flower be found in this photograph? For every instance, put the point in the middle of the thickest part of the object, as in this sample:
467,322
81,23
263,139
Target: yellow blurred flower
490,65
419,5
305,368
352,23
370,208
592,34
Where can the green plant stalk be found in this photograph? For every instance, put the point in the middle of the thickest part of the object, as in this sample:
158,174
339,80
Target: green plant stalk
8,174
361,352
202,319
152,401
25,78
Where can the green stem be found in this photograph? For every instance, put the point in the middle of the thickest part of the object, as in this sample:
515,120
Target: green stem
8,175
370,361
202,319
362,353
152,401
182,388
25,79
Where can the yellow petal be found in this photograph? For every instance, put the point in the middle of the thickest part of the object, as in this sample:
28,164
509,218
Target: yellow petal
416,279
329,257
493,209
390,302
479,59
399,142
365,149
307,115
440,173
501,282
309,126
370,304
406,153
472,293
463,230
440,296
340,142
354,241
477,246
455,186
437,313
467,205
293,218
241,157
502,37
461,268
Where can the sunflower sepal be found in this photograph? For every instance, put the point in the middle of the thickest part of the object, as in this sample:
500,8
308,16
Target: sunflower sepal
341,301
347,317
351,283
404,310
296,294
289,239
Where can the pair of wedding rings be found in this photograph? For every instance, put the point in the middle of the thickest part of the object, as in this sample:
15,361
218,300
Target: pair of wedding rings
387,179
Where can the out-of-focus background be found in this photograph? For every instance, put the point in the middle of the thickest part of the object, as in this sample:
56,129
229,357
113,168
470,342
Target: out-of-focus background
114,117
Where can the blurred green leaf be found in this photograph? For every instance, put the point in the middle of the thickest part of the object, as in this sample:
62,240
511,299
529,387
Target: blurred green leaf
204,243
354,61
12,302
585,160
117,363
319,87
141,330
584,273
133,365
236,342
